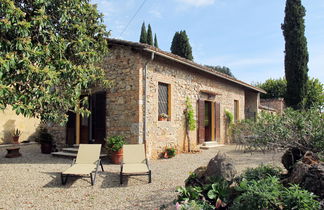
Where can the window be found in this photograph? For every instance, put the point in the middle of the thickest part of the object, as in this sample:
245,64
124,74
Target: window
163,100
236,110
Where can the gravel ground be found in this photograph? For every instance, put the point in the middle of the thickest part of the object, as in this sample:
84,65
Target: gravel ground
33,182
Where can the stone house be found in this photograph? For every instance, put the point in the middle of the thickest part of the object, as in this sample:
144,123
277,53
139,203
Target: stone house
148,82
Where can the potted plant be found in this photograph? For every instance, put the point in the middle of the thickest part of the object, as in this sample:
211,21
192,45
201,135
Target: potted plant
15,136
46,141
170,152
114,145
163,117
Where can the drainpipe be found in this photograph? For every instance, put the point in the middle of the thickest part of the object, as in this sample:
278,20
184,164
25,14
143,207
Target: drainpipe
145,99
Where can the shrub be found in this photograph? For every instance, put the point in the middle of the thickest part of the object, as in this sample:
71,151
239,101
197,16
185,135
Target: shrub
302,129
44,137
115,143
171,152
296,198
261,172
189,193
195,205
260,194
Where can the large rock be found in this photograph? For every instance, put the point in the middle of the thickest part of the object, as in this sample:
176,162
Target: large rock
290,157
197,178
314,180
308,172
221,166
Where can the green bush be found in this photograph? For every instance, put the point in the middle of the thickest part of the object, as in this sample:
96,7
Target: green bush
171,152
115,143
189,193
261,172
44,137
260,194
296,198
303,129
195,205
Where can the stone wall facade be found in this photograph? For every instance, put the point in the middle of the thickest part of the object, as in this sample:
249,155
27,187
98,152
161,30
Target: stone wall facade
184,82
275,103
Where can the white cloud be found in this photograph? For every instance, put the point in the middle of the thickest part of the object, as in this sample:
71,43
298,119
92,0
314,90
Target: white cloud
198,3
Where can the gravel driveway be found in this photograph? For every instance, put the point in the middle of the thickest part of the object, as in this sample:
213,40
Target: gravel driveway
33,182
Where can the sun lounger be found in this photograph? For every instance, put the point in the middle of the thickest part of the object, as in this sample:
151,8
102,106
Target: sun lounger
86,163
134,162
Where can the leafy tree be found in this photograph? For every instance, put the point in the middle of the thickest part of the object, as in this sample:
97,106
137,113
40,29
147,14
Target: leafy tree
296,55
181,46
49,51
276,88
149,35
156,44
222,69
315,94
143,37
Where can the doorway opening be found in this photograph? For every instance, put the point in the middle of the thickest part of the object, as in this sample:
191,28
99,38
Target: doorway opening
91,129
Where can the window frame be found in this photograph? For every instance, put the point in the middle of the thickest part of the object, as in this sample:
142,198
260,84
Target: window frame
168,100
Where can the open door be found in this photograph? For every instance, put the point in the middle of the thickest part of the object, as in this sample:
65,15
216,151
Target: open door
98,118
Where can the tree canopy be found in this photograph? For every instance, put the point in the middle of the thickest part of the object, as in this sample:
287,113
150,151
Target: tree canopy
277,88
149,35
296,54
156,44
49,51
222,69
180,45
143,36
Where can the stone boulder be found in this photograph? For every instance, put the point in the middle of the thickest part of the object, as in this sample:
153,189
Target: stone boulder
314,180
198,179
221,166
290,157
308,172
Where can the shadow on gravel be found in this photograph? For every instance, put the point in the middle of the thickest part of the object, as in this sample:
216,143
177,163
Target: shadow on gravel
56,180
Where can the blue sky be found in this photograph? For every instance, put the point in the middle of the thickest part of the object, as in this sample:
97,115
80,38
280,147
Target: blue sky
244,35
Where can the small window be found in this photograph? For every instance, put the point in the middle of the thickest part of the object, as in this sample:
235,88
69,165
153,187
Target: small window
164,109
236,110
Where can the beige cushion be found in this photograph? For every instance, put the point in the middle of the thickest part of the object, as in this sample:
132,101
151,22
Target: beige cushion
133,153
88,153
135,168
80,169
86,161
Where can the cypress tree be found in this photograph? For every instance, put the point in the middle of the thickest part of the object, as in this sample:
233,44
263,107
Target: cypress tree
143,37
296,55
149,35
181,46
156,44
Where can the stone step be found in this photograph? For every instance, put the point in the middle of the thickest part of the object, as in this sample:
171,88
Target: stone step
70,150
209,145
70,154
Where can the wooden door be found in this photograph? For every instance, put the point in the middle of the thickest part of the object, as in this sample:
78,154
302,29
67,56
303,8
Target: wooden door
217,121
201,121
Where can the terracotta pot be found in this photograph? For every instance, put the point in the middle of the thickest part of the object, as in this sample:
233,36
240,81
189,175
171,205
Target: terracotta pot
163,119
116,157
46,148
15,139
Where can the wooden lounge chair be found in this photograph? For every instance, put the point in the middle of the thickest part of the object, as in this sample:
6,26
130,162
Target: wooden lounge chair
86,163
134,162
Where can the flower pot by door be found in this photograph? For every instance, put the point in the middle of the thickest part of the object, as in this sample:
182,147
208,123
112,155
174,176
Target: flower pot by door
117,156
46,148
